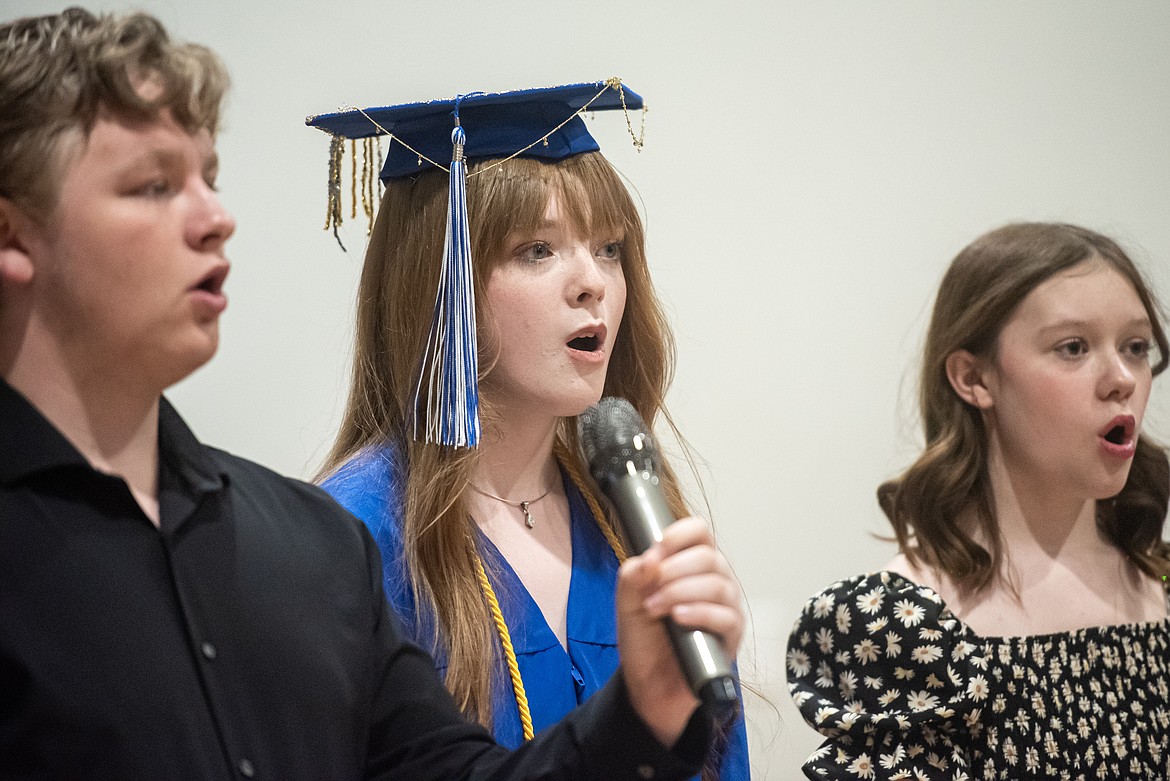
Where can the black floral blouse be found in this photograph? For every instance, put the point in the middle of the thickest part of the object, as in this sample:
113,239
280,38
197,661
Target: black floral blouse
904,690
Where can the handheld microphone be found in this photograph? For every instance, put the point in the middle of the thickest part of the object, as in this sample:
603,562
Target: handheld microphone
624,461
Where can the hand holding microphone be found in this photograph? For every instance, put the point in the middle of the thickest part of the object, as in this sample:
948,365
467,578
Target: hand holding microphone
624,461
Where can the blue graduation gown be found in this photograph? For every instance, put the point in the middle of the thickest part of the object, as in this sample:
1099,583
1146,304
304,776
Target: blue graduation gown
556,680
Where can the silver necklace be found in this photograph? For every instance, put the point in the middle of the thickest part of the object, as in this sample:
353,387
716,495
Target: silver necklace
523,505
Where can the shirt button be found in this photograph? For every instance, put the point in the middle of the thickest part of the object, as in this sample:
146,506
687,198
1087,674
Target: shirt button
209,653
645,772
246,769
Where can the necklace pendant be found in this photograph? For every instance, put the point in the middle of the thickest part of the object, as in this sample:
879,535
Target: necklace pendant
531,524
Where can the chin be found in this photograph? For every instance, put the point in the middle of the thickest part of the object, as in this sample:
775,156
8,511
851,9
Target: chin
1112,491
1112,486
579,402
186,362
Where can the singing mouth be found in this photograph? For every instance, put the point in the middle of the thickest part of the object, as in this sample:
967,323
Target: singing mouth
588,340
213,282
1120,430
588,343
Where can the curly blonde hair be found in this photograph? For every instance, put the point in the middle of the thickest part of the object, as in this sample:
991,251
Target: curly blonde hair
57,72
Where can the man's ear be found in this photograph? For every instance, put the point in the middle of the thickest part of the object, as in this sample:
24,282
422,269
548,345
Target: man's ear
16,266
970,376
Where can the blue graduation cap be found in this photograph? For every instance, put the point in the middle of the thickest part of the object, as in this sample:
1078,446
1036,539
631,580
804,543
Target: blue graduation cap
543,123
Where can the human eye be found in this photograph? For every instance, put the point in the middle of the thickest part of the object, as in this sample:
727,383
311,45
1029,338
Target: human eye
1137,349
534,252
1072,349
155,186
612,250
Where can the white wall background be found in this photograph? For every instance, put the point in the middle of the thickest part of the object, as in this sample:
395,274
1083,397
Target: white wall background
810,168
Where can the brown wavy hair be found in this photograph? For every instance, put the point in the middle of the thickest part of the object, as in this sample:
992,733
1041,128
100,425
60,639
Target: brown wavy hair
978,294
395,299
57,72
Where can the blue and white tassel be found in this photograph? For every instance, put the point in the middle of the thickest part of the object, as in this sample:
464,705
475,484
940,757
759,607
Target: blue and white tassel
447,392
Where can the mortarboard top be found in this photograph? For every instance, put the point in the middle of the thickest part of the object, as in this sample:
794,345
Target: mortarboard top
543,122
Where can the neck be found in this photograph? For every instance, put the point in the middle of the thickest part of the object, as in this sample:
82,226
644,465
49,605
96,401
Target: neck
516,457
111,422
1042,523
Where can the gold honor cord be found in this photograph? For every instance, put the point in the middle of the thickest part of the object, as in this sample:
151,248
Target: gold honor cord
509,651
570,466
369,174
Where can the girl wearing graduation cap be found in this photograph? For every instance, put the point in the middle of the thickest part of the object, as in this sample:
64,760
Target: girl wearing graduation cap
1023,632
505,289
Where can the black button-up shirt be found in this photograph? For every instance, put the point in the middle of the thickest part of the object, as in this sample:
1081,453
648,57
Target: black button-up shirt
247,637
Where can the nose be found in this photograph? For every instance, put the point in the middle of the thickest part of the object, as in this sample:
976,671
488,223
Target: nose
1119,376
587,283
210,224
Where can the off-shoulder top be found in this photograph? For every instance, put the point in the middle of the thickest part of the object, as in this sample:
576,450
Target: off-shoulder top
903,689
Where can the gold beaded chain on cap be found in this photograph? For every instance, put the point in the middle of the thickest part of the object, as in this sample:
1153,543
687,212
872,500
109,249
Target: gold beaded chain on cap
569,464
371,184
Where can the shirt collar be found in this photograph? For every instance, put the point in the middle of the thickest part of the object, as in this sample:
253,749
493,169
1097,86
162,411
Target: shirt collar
32,444
186,454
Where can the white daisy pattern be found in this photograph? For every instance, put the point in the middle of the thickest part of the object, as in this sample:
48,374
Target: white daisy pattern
871,602
902,689
843,618
921,700
823,605
798,663
866,651
825,639
925,654
908,612
862,767
977,688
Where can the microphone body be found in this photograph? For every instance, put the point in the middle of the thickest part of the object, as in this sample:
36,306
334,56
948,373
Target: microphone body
623,460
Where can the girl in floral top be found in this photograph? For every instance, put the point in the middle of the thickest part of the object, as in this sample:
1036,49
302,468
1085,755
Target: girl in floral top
1022,631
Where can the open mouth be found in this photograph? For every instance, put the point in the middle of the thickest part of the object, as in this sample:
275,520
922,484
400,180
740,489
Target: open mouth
587,343
1120,430
213,282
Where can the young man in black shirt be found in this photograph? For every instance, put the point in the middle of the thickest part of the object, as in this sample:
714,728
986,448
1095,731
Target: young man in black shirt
168,610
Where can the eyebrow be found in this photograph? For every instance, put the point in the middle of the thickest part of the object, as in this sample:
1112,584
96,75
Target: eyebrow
155,155
1077,324
169,156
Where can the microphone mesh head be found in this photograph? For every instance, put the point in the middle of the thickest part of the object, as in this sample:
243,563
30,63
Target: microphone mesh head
613,429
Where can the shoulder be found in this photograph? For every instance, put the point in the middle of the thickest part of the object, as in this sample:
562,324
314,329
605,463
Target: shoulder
867,605
253,479
369,486
287,525
915,571
878,659
878,639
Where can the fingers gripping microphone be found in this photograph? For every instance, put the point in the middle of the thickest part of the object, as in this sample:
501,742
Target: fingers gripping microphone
624,462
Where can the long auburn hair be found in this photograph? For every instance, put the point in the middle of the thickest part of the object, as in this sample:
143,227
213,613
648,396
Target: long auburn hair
978,294
395,300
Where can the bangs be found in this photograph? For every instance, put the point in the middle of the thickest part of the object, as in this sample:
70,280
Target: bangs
512,198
